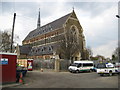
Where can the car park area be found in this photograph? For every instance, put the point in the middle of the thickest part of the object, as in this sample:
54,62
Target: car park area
46,79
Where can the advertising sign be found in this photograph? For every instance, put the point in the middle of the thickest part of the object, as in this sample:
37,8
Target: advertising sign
29,65
4,61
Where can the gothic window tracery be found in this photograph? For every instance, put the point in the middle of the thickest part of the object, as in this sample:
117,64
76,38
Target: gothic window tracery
74,33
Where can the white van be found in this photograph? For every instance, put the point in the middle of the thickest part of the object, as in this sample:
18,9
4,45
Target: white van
106,68
80,66
117,66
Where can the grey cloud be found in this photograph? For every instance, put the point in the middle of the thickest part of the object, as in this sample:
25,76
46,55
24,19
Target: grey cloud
7,7
102,36
30,9
107,34
94,8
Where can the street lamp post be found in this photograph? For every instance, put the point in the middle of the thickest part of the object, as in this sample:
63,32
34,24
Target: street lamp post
117,16
13,31
118,39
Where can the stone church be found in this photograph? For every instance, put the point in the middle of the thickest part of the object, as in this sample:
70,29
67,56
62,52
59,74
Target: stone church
42,42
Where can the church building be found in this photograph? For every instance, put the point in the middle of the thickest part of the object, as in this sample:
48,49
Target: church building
42,42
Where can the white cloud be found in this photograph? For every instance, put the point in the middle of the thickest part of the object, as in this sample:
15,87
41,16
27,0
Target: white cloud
106,49
56,11
6,22
61,0
100,30
23,25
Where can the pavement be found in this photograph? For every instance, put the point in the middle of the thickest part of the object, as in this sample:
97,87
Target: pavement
18,84
10,85
52,79
45,79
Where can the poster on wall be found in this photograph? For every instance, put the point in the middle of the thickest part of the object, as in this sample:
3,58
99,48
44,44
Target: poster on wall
29,65
4,61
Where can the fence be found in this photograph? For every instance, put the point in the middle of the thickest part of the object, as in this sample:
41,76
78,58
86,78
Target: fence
44,64
62,65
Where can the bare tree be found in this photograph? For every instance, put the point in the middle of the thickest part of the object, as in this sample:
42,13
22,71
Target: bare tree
115,53
5,41
90,53
69,45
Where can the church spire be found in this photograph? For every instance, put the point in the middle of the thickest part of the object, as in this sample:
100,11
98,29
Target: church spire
38,22
73,9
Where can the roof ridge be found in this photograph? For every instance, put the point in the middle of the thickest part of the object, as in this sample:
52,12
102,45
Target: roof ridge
54,24
57,19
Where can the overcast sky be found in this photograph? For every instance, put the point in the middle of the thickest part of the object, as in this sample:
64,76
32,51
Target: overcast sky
97,19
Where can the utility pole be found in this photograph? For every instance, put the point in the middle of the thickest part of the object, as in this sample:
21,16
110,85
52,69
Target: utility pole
13,31
117,16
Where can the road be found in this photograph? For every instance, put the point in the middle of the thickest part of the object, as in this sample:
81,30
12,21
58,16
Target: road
37,79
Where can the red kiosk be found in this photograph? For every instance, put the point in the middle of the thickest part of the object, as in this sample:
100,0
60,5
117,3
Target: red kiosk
7,67
30,64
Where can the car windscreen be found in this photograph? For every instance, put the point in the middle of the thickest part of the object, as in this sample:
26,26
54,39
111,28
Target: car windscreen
74,64
102,65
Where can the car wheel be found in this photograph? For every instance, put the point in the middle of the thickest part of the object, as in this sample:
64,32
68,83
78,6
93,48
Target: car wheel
77,71
101,74
71,71
90,70
110,73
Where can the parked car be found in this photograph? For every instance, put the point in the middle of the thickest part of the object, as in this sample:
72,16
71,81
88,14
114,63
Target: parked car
117,66
81,66
94,68
106,68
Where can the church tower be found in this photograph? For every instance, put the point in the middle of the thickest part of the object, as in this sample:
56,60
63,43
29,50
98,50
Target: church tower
38,22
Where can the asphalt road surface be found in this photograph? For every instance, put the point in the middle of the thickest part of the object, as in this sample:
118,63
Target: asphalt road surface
37,79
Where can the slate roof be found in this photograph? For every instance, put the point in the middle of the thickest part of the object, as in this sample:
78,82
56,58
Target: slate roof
43,50
25,49
48,27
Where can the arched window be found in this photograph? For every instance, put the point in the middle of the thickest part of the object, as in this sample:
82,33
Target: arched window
74,33
50,48
73,30
42,49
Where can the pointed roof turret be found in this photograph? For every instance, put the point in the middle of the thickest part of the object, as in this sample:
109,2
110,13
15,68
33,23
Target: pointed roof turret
38,22
73,9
